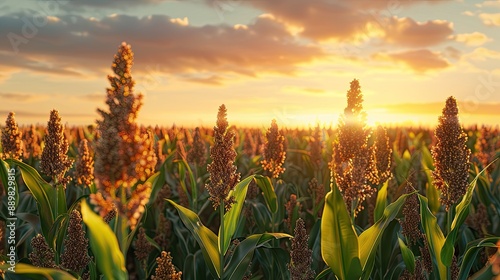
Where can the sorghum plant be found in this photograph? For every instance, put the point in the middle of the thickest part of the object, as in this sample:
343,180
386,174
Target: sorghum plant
55,162
124,152
274,151
451,156
11,139
351,163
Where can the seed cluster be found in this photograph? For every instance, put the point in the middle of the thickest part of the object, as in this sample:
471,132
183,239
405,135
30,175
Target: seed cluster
84,165
42,255
165,269
11,139
274,151
300,254
352,160
197,153
75,256
451,156
125,152
223,175
55,162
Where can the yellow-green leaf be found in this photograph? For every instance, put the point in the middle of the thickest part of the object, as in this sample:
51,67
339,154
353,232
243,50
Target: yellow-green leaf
233,215
44,194
203,235
408,256
434,235
104,245
339,242
32,272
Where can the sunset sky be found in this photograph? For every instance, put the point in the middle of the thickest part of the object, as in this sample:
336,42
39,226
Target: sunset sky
289,60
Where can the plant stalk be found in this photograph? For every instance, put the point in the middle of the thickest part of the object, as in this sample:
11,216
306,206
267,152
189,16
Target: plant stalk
221,233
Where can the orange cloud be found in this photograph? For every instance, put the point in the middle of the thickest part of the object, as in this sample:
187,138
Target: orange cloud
408,32
472,39
420,61
490,19
263,46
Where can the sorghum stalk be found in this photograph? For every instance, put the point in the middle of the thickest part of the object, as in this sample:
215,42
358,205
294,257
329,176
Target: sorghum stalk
451,159
223,175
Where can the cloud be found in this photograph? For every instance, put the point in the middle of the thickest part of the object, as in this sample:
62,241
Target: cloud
22,97
88,44
468,13
482,54
490,19
213,80
420,61
495,4
408,32
472,39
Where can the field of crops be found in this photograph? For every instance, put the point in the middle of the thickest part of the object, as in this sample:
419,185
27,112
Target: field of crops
122,201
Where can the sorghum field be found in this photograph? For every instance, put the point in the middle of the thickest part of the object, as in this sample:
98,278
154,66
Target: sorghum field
116,200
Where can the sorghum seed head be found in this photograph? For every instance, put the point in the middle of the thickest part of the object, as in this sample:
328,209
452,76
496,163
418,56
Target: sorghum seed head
42,255
300,254
31,140
223,175
165,269
451,156
197,153
75,256
84,165
11,139
142,246
381,170
351,161
274,151
411,212
55,162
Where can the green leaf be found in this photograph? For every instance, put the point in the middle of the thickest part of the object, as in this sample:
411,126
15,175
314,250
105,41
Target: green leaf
4,177
232,217
203,235
371,237
104,245
32,272
325,273
473,249
267,188
243,253
339,242
462,211
408,256
44,194
381,201
434,235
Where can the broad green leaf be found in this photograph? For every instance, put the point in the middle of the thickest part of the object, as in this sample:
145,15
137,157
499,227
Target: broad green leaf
484,274
104,245
39,273
408,256
44,194
473,249
325,273
381,201
243,253
61,201
232,217
4,177
268,190
203,235
370,238
434,235
462,211
339,242
431,192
